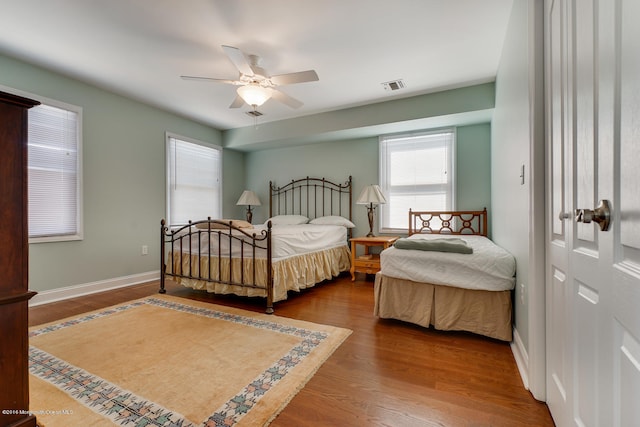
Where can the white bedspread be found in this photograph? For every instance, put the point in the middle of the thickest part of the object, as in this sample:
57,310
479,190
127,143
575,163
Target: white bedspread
490,267
287,240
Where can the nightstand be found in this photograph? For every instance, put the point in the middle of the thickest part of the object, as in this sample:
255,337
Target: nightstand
368,263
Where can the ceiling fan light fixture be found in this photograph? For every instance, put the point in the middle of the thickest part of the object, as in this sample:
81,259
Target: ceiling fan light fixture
254,95
254,86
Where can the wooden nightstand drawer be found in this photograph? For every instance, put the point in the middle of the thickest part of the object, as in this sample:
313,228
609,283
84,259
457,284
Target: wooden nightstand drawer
368,263
367,270
372,263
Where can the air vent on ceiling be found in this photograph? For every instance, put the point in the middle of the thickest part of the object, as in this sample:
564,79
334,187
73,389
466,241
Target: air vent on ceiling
393,85
255,113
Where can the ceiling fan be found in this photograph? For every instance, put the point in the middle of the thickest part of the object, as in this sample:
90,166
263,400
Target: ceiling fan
255,86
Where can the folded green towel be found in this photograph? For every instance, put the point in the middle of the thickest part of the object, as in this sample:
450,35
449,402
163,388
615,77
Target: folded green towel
439,245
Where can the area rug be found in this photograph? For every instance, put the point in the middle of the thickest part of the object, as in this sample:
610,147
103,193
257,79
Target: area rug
168,361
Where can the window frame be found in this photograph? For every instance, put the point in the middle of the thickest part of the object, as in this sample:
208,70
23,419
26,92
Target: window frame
450,185
79,234
168,137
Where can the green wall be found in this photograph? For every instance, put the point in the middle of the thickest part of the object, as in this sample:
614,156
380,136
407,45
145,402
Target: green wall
452,107
123,180
473,168
359,158
334,161
519,203
124,166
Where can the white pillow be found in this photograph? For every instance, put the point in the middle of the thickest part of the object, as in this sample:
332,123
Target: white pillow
333,220
288,220
225,224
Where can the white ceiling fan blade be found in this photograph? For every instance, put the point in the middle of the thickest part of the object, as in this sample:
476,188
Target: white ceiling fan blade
239,60
292,78
254,62
237,102
209,79
285,99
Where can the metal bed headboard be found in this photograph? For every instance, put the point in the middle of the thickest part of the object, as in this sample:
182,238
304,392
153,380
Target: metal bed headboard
311,197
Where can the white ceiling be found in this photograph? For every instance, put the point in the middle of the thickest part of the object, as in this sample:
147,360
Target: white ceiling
139,48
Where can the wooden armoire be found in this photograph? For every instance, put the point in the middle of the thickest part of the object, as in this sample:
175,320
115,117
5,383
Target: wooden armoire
14,262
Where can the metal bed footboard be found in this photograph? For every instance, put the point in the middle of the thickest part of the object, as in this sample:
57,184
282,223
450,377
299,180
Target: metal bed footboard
178,243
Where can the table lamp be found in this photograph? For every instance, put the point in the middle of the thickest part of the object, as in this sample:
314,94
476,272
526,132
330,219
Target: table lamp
371,195
248,199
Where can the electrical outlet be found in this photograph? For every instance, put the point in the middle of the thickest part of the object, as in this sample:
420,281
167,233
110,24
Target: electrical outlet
522,293
145,250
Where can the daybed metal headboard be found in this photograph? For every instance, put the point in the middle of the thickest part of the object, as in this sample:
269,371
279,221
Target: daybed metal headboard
311,197
448,222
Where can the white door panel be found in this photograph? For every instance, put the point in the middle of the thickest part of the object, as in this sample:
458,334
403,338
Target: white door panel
582,174
627,410
558,292
593,151
629,173
557,364
585,109
586,378
626,259
555,111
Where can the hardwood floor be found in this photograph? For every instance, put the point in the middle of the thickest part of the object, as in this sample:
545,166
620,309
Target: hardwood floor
387,373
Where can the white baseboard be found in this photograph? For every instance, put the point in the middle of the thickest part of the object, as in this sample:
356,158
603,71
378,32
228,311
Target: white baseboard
45,297
522,358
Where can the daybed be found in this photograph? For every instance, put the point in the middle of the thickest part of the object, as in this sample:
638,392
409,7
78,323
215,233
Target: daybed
427,284
304,242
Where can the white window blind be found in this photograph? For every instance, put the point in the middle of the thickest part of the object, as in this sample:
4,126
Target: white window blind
194,180
54,171
416,172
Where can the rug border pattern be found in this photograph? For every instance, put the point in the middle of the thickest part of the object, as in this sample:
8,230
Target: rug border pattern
125,408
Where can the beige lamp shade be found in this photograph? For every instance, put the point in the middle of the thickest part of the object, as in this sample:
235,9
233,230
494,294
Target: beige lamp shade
248,198
371,194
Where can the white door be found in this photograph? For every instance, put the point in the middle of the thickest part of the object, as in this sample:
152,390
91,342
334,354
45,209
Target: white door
592,72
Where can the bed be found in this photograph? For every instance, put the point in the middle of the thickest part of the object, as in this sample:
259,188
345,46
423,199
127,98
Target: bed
304,242
428,280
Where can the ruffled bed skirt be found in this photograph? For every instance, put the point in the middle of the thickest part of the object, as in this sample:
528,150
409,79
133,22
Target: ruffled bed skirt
290,274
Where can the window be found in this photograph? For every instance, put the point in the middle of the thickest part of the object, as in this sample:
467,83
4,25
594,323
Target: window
416,172
55,172
194,180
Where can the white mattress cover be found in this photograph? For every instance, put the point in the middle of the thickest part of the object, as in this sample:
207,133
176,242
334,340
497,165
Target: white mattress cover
489,267
287,240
